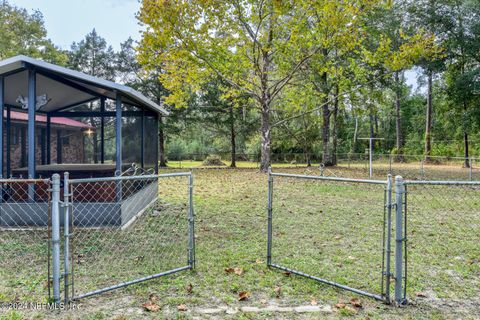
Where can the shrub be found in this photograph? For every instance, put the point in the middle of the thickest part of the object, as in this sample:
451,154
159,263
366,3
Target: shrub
213,160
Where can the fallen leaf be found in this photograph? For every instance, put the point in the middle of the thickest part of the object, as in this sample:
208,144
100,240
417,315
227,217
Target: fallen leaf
238,271
48,283
313,302
356,302
182,307
151,307
229,270
278,291
351,310
243,296
421,295
152,297
190,288
340,305
287,274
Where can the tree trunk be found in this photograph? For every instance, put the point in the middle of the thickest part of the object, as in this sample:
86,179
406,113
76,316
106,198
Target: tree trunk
428,119
266,137
465,140
326,156
398,122
233,163
326,159
265,99
335,127
161,142
355,136
465,154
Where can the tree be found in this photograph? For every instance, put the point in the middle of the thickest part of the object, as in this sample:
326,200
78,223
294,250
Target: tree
93,56
25,33
132,73
224,116
434,17
462,51
257,47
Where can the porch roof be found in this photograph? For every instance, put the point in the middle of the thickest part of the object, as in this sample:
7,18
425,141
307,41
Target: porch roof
64,87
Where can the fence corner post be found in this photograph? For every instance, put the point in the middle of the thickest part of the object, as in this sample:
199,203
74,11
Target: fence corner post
191,223
66,233
399,241
388,272
56,237
269,213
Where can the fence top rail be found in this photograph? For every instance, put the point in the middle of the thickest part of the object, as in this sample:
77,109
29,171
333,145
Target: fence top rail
444,183
19,180
301,176
123,178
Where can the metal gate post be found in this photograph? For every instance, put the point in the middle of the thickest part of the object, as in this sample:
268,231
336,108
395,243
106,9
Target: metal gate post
56,236
269,211
66,233
399,239
191,220
388,272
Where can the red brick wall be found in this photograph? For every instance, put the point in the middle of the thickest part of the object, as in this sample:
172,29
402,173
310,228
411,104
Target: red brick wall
71,153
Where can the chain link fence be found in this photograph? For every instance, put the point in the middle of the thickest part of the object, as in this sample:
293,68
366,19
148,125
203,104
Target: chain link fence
415,167
442,252
25,240
126,230
92,235
333,230
392,242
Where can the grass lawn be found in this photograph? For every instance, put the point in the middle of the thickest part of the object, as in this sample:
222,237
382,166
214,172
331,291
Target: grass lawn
330,230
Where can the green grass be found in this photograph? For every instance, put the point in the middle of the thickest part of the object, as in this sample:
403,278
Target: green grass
327,229
239,164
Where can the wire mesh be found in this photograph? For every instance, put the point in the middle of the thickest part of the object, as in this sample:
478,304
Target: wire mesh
443,259
24,240
128,229
332,230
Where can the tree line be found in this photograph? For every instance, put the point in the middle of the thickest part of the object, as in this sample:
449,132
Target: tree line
267,77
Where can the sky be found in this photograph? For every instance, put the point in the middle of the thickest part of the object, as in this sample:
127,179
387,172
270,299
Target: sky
67,21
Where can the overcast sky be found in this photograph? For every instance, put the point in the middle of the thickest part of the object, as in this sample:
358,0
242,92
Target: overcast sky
69,20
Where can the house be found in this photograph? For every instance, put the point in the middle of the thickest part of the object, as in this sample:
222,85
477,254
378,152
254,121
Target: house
68,135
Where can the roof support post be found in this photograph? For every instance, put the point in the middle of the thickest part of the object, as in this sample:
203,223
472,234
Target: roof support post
2,105
49,139
9,141
142,138
118,129
157,140
32,98
102,130
118,132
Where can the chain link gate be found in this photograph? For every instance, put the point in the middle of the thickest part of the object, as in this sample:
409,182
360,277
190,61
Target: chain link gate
299,238
25,240
427,205
126,230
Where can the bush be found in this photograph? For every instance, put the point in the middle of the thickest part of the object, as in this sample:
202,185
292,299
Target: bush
176,150
213,160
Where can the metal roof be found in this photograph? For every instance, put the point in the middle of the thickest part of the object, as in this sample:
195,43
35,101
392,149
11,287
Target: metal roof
67,122
65,87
